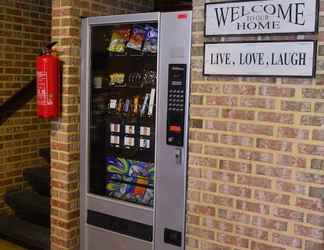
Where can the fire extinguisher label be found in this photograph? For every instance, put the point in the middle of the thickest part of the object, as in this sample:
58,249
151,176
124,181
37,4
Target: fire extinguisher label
43,97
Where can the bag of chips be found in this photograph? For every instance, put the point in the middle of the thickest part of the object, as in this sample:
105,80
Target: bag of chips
137,38
151,40
119,39
117,79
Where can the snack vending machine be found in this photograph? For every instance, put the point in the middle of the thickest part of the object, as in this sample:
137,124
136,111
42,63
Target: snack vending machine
135,76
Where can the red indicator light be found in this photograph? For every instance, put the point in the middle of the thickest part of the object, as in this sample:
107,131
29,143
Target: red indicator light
182,16
175,129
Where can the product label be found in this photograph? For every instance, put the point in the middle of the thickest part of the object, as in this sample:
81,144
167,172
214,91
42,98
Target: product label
130,129
146,131
129,141
145,143
114,140
115,127
113,104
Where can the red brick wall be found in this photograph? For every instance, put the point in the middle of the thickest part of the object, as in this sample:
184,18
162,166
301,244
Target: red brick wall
24,30
65,132
256,177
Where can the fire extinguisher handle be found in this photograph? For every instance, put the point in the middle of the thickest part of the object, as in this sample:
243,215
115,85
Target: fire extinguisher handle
49,46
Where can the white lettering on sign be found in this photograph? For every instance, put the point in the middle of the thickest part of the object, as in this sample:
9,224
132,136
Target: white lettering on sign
261,17
42,89
261,58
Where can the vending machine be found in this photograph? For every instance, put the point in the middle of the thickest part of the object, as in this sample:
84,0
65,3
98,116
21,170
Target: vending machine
135,76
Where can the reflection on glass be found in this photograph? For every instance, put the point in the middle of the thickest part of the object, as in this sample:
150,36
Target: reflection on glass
123,89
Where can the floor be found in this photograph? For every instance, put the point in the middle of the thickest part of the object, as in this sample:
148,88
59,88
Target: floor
5,245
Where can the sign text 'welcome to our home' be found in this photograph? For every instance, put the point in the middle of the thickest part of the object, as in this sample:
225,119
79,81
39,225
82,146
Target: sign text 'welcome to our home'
261,17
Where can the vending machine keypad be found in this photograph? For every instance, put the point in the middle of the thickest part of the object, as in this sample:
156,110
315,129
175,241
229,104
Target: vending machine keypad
176,104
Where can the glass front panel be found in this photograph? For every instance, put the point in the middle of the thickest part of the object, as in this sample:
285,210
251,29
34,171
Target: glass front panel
123,98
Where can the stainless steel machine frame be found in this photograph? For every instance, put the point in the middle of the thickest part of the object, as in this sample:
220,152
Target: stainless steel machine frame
167,218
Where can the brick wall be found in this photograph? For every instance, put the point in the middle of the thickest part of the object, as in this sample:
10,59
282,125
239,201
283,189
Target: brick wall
24,30
65,132
256,175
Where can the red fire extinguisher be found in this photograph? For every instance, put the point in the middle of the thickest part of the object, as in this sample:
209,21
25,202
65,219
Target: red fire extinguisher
48,77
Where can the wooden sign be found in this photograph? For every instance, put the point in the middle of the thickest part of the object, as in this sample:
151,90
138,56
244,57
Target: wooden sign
261,17
274,58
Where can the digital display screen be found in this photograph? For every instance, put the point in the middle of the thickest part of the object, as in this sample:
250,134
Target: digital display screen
177,75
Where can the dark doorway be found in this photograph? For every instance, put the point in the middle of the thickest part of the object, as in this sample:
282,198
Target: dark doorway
172,5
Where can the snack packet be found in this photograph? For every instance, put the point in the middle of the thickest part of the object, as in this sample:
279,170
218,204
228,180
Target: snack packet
130,168
151,39
117,79
137,38
119,39
129,192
